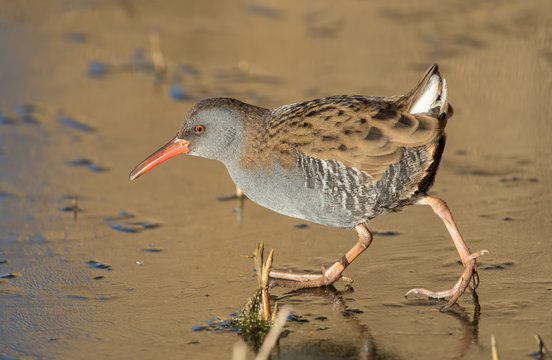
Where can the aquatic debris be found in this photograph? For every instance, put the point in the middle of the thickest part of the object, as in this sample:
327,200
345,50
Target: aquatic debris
25,113
153,250
177,92
99,277
70,122
73,297
4,195
254,319
9,275
133,227
386,233
129,226
513,178
5,120
216,324
97,69
97,168
297,318
353,311
226,198
98,265
88,163
147,225
542,352
74,207
79,162
23,109
254,323
301,226
128,229
198,328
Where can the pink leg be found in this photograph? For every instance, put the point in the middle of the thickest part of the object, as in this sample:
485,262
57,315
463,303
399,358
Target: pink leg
329,275
468,259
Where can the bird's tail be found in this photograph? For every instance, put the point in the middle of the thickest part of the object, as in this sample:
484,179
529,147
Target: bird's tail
430,96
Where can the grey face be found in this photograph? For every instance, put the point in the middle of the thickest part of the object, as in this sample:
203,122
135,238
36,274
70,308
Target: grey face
213,133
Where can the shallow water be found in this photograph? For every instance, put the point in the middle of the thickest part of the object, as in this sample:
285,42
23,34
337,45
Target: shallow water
97,108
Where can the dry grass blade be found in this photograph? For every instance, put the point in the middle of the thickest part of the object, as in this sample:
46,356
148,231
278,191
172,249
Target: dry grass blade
494,348
273,334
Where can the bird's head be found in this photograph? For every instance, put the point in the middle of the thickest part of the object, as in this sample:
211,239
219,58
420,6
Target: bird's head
212,129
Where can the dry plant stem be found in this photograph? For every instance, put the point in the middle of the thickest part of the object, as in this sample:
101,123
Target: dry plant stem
259,262
543,351
494,348
265,298
469,274
241,200
157,56
273,334
329,275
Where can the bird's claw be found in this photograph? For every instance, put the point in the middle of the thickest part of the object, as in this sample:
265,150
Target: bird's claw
469,275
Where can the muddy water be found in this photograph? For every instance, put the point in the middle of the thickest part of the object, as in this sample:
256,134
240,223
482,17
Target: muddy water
97,108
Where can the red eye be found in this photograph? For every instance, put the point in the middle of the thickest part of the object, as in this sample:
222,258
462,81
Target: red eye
199,129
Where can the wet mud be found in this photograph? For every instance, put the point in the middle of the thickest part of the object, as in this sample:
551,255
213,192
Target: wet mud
93,265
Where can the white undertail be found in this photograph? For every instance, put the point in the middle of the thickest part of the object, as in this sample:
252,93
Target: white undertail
433,96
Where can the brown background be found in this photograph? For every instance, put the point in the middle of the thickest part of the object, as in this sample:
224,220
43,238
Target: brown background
497,59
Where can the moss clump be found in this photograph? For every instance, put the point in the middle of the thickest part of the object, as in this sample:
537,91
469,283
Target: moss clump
250,322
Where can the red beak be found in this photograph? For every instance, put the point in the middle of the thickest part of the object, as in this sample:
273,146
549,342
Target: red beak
172,148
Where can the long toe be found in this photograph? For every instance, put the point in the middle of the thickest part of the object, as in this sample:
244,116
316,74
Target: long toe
469,275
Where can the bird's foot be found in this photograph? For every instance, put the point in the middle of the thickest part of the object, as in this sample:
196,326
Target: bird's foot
298,281
469,276
329,275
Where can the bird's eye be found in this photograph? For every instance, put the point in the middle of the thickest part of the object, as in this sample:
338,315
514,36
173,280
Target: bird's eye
199,129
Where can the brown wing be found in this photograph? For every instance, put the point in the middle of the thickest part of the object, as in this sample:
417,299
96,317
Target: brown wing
361,132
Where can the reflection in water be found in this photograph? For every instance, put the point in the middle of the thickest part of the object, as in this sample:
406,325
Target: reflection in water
241,199
471,326
360,343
